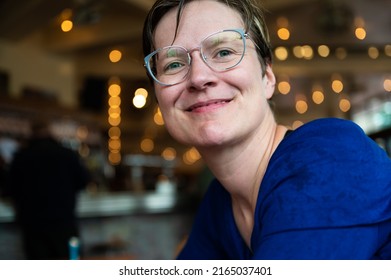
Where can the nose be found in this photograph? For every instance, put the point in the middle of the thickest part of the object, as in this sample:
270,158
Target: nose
200,74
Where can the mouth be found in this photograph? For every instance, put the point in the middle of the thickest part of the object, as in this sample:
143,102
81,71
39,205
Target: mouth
211,104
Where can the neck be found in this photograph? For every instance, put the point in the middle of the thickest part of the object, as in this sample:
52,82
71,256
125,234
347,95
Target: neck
240,167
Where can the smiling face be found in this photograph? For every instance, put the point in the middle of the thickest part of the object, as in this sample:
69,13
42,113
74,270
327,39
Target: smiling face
212,108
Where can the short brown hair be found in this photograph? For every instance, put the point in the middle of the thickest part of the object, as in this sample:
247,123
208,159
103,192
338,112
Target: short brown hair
250,10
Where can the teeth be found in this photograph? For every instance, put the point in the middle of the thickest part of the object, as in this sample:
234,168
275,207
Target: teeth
199,106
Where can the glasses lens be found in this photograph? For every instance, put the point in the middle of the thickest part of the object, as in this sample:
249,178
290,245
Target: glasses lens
223,50
169,65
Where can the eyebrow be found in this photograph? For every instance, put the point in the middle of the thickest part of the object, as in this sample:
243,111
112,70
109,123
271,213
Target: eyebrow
171,52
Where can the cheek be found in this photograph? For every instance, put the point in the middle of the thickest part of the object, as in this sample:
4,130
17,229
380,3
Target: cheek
169,98
248,81
163,98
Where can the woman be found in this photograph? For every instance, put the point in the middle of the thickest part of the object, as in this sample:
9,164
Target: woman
320,192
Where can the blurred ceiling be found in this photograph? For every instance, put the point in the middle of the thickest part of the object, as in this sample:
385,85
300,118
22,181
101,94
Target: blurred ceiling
102,25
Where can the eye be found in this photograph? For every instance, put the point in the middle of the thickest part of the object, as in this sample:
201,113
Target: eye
223,53
174,67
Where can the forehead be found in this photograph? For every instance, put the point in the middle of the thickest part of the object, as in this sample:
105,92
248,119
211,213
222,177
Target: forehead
199,19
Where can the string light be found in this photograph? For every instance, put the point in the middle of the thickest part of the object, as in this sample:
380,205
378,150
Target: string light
308,52
140,98
373,52
66,25
297,52
344,105
301,105
139,101
191,156
317,97
114,120
323,51
360,33
115,56
169,153
281,53
283,34
147,145
336,83
284,87
114,90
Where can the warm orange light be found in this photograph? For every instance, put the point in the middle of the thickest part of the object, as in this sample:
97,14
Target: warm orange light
114,132
141,91
114,90
114,101
387,85
373,52
114,144
318,97
337,86
301,106
360,33
323,51
114,112
344,105
169,153
308,52
114,121
281,53
284,87
297,51
115,56
139,101
114,158
66,25
283,34
147,145
191,156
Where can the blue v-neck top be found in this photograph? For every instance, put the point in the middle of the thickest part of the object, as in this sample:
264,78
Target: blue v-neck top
326,194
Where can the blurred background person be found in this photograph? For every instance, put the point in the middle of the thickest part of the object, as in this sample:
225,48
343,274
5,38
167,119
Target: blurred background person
43,180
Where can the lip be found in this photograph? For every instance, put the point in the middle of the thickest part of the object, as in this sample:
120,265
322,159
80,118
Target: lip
208,105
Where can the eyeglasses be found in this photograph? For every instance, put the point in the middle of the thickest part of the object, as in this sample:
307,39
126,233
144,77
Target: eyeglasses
221,51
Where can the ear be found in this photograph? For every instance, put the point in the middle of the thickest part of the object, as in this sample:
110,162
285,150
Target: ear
269,81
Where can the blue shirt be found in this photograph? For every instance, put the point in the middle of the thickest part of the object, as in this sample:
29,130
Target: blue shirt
326,194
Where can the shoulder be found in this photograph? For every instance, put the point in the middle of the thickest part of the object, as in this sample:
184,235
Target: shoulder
330,137
326,173
329,127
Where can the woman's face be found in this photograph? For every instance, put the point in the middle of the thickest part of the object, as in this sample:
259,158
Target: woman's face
212,108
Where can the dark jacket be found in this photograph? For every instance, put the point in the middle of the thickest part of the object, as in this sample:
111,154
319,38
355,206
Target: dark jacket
43,182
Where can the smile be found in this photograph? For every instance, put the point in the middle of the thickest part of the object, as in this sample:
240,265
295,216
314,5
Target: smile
212,104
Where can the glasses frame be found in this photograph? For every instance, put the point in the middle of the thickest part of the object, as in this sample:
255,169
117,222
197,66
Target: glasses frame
147,59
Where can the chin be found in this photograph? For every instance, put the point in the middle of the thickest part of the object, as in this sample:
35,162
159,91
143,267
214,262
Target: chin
204,136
